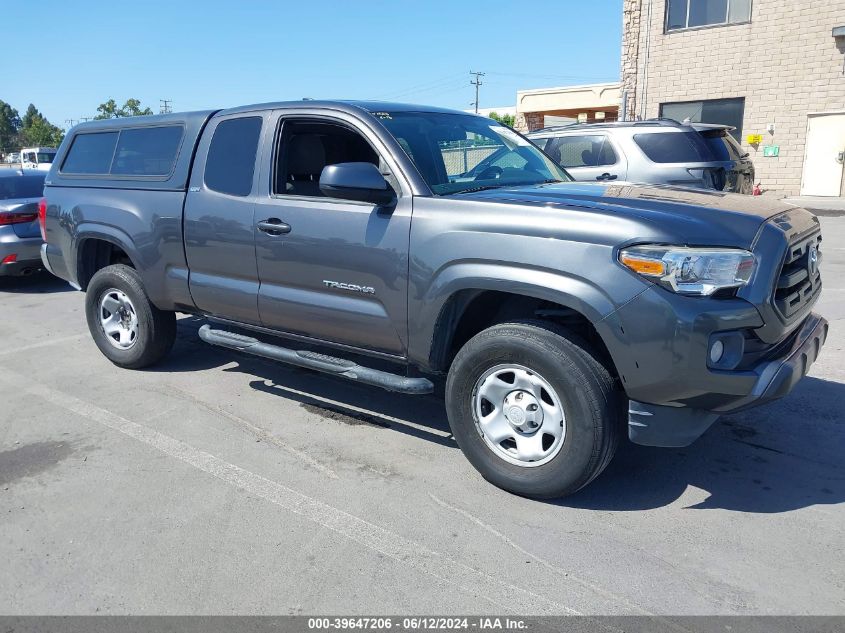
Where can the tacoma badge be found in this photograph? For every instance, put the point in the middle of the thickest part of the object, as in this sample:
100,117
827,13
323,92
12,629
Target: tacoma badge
367,290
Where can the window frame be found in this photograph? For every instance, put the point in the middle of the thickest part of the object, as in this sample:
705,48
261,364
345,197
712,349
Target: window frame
108,175
713,25
399,186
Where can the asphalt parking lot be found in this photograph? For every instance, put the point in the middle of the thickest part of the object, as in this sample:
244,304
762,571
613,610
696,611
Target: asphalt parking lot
222,484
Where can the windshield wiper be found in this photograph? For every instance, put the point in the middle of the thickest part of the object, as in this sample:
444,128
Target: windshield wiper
479,188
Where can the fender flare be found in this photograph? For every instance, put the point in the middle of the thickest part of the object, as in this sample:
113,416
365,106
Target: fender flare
103,233
437,306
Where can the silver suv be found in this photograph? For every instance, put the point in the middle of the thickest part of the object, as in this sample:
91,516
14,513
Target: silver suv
659,151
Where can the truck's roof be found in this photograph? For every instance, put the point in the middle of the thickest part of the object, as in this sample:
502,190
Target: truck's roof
344,105
200,116
194,123
155,119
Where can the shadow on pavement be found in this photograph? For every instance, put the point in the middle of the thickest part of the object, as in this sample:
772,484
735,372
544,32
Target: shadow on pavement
781,457
311,389
41,282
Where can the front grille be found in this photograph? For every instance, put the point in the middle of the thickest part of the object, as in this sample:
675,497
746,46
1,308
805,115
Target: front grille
800,281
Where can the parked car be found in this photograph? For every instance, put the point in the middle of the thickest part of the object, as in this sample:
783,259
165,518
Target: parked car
20,235
554,309
13,157
660,151
740,178
37,158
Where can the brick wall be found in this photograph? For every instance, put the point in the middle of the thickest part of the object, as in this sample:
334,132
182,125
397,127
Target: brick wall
785,63
529,121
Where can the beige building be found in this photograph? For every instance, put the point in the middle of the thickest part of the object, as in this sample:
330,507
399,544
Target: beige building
773,68
539,108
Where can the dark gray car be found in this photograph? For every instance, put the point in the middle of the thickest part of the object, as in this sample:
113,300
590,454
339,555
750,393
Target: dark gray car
661,152
554,310
20,236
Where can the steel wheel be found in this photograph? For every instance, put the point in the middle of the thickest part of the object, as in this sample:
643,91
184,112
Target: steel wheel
118,319
519,415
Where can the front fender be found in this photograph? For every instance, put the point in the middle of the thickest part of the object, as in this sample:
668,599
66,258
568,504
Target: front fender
595,301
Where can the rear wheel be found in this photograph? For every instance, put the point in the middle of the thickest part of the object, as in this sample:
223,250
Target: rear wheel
533,410
129,330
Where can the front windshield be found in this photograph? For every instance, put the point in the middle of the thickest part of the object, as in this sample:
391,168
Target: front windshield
457,153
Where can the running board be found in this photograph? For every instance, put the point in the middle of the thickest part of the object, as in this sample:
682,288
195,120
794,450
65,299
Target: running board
317,362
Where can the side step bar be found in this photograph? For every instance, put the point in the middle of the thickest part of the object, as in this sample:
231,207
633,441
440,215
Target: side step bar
317,362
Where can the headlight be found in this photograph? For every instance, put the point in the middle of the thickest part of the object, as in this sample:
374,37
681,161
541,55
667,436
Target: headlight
690,271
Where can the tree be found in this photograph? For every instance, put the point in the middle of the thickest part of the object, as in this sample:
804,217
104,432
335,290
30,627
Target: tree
504,119
35,130
132,107
10,125
41,133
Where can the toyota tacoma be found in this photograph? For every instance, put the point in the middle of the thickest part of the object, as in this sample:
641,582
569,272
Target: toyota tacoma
560,314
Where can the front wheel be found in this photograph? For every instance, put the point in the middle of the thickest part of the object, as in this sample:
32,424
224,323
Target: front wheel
129,330
532,409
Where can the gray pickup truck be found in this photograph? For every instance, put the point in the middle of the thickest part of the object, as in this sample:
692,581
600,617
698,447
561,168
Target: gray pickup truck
556,311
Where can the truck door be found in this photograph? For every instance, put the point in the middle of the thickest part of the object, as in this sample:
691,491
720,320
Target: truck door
219,209
334,270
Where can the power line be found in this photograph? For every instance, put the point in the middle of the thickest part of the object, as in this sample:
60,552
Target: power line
477,83
424,87
71,122
165,106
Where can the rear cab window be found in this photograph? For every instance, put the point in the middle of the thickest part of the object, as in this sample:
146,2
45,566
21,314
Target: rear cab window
147,151
90,153
230,165
674,147
141,151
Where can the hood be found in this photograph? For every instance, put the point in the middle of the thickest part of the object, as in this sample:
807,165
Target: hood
695,216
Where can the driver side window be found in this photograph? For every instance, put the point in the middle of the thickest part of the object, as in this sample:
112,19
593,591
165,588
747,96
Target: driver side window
305,147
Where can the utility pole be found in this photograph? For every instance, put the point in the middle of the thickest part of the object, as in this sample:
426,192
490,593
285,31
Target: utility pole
476,82
71,122
165,106
85,119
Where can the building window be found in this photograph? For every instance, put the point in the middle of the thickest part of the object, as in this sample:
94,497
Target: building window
691,14
719,111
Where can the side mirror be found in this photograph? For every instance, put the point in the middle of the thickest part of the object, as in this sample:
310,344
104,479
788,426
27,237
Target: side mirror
356,181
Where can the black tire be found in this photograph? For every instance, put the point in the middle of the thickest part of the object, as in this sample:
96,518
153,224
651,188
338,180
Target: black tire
591,399
156,329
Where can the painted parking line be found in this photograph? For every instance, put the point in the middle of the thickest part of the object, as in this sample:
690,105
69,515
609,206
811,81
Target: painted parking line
504,595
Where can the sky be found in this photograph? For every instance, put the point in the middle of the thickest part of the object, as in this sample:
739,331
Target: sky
209,54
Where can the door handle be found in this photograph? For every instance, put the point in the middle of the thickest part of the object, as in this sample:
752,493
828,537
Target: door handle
607,176
840,158
273,226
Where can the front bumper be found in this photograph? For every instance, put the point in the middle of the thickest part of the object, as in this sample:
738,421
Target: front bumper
662,425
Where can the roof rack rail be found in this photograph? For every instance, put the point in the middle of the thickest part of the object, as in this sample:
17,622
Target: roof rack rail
656,121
